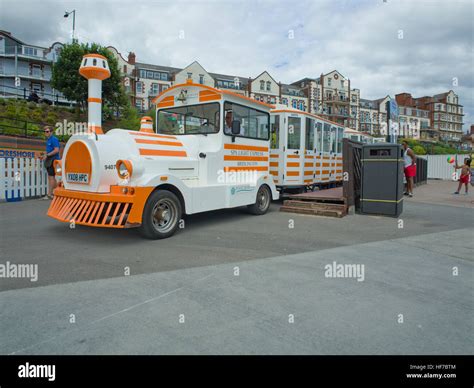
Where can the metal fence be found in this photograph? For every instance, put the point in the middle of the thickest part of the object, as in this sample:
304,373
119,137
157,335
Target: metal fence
22,178
440,168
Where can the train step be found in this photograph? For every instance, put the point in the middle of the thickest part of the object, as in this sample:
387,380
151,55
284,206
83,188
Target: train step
315,211
315,205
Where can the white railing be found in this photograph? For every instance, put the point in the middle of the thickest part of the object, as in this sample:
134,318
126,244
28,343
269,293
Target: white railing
22,178
439,168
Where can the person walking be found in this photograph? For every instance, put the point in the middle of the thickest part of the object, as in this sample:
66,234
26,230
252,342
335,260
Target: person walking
409,159
52,154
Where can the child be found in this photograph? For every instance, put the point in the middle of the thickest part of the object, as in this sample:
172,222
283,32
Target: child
465,174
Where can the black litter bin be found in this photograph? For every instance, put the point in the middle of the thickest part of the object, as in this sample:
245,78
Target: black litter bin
382,179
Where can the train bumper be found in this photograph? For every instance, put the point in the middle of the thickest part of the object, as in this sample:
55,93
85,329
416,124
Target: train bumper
109,210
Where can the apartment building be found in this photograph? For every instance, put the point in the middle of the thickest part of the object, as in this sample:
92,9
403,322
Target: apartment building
332,97
25,68
444,112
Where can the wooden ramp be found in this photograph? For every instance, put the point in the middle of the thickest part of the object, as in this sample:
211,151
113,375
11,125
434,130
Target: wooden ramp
329,202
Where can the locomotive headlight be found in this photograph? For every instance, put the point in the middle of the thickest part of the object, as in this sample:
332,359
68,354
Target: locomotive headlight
57,167
124,169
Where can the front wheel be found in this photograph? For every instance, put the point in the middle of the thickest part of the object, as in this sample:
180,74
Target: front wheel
264,198
161,215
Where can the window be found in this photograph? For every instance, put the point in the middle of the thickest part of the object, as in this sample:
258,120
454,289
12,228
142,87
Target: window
301,106
275,128
149,74
155,89
318,135
340,135
164,76
142,73
333,139
36,71
294,133
329,81
293,103
36,87
138,104
269,85
201,79
30,51
253,123
139,87
262,85
309,138
326,137
189,120
190,75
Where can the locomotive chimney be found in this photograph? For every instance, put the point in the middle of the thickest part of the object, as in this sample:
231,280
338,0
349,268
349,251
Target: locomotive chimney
146,124
95,69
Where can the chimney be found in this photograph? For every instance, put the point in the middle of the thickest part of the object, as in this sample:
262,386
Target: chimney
131,58
95,68
146,124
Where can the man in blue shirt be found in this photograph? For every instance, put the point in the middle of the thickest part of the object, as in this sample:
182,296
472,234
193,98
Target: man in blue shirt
52,154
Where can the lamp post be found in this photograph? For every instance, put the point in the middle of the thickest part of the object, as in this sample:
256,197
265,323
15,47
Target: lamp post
66,14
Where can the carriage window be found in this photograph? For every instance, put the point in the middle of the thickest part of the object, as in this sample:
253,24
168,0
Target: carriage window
318,135
340,135
189,120
309,141
294,133
275,126
326,137
253,123
333,139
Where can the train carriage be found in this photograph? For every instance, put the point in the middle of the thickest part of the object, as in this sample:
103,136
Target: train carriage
305,150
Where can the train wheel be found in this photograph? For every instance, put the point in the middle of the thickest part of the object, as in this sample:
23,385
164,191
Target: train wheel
161,215
264,198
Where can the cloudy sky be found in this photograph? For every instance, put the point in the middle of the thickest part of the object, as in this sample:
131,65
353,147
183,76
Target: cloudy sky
383,46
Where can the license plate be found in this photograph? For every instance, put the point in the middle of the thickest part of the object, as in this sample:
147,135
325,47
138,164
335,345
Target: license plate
76,177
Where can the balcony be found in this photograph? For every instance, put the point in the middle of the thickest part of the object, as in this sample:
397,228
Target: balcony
26,52
33,74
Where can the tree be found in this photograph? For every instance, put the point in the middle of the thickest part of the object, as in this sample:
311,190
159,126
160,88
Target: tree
66,78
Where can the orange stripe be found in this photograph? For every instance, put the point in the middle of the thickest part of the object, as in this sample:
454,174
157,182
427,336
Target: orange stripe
309,164
274,173
308,181
292,164
246,158
274,155
95,99
210,98
146,151
254,168
160,142
293,156
152,135
308,173
244,147
273,164
318,172
293,173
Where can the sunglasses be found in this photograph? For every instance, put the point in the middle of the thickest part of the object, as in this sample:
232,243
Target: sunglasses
47,131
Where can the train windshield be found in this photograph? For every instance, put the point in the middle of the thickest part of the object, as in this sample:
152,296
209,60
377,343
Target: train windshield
189,120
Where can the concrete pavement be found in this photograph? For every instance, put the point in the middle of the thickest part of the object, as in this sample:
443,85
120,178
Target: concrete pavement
83,304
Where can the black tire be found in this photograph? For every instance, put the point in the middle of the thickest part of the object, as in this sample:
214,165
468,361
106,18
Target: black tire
262,202
161,215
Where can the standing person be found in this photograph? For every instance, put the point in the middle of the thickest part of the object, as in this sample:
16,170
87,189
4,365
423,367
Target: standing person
465,175
409,159
52,154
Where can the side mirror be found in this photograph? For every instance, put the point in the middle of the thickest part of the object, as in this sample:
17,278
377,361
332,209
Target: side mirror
235,127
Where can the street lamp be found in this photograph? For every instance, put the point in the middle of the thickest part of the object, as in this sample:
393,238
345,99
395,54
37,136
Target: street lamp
66,14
